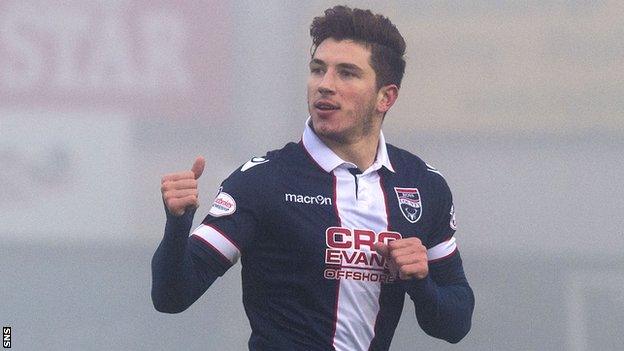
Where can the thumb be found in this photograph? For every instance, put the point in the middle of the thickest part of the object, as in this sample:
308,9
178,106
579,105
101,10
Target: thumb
198,166
381,249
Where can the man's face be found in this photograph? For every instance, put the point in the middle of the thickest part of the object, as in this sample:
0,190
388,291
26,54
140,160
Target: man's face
342,92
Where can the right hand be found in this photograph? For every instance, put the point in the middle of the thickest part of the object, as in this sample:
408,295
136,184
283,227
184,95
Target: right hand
179,190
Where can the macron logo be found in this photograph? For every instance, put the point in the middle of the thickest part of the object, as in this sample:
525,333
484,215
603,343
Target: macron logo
306,199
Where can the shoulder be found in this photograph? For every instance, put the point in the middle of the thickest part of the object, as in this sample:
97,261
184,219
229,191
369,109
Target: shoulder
405,161
260,169
251,183
407,164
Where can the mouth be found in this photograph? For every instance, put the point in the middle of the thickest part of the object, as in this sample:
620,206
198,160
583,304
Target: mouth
325,105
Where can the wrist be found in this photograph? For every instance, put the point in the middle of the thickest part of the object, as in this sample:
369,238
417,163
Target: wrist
421,289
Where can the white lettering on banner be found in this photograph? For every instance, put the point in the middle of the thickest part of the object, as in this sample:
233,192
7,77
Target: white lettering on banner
164,43
26,70
110,63
93,45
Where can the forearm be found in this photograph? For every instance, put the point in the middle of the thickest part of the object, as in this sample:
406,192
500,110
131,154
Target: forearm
443,301
177,281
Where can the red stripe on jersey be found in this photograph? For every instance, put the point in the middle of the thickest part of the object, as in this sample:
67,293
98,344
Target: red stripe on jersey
224,235
336,199
225,259
385,196
445,257
338,281
383,190
336,311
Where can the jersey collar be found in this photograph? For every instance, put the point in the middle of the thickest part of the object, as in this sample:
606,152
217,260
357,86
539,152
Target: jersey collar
329,161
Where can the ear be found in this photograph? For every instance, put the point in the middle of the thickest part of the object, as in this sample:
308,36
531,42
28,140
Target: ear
386,97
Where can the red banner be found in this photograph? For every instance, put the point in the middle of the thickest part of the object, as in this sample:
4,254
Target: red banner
149,58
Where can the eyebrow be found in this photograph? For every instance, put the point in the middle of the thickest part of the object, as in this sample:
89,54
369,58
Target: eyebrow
349,66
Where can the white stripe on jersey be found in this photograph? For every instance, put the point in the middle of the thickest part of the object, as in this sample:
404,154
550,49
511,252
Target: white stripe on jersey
358,301
442,250
219,241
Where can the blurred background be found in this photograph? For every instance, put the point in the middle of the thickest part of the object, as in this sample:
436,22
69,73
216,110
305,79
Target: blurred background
519,103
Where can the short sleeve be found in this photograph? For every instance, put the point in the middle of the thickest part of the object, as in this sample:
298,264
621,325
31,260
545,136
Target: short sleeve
233,220
441,241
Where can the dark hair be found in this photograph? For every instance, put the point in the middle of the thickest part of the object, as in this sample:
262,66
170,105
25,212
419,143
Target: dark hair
374,31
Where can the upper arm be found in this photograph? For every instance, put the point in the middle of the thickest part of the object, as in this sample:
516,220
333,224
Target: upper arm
234,220
441,242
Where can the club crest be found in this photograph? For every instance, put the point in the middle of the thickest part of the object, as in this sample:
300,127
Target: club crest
409,202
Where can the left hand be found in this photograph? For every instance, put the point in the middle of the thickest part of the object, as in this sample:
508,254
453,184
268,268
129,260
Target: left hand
407,257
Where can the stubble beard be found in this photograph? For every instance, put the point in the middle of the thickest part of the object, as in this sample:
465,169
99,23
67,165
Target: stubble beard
364,125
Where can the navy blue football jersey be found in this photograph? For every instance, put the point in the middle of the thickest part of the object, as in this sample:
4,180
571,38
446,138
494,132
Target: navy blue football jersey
303,223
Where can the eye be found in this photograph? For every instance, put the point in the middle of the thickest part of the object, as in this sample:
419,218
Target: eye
347,74
316,70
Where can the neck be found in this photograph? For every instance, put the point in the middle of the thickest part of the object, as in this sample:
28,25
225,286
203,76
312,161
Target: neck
360,152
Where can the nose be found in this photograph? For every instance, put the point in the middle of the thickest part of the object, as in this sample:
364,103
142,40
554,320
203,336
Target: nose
326,85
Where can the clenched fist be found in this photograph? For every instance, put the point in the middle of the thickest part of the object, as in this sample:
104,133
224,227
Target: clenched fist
179,190
407,257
